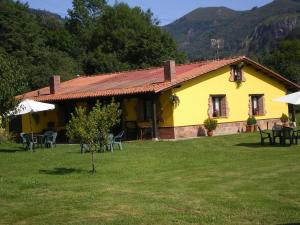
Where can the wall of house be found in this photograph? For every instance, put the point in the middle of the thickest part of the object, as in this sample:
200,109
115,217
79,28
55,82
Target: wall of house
129,106
39,121
194,97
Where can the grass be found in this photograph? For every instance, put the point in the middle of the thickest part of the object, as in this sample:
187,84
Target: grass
218,180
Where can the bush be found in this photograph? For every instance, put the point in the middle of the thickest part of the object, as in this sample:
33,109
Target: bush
210,124
284,118
251,121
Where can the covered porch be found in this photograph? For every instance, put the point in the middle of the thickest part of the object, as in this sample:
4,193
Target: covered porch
143,116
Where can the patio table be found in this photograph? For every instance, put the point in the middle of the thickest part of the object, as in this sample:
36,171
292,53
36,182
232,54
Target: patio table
277,132
39,138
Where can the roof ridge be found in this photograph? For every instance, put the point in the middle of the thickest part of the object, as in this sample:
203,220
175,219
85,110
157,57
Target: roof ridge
157,67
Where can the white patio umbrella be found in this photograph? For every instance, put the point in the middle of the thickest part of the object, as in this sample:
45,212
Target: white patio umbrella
31,106
291,98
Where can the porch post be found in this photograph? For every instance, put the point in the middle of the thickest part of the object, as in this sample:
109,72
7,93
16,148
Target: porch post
293,113
154,119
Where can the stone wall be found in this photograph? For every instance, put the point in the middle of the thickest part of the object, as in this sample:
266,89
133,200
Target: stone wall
222,129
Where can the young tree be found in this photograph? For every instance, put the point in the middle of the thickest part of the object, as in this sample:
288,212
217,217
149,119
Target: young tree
92,128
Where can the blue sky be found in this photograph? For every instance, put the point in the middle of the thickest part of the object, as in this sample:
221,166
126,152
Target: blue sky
165,10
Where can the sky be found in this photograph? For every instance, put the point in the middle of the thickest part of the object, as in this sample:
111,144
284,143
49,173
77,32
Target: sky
166,11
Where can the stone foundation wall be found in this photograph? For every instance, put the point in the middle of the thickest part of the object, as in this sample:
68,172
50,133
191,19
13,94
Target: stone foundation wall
222,129
166,133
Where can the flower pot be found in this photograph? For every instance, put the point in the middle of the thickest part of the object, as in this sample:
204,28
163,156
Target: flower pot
210,133
251,128
285,124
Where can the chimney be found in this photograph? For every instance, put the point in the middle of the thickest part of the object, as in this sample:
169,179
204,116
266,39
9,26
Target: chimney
54,84
169,70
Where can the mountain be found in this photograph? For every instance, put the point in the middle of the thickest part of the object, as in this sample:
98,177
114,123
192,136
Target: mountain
248,32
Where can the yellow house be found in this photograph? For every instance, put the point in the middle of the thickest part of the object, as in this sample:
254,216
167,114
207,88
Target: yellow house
173,101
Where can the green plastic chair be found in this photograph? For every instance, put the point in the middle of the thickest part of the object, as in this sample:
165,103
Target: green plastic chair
117,140
50,140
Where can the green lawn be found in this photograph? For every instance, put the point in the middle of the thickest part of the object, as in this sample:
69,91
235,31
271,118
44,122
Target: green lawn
218,180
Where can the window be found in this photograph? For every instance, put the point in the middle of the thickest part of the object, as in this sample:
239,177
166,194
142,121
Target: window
237,74
257,105
218,106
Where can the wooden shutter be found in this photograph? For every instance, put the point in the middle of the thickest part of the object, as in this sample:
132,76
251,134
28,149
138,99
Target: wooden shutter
223,106
250,106
227,107
231,78
243,76
210,109
261,105
140,110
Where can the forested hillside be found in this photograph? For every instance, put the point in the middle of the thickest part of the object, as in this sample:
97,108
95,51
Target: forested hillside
94,38
242,32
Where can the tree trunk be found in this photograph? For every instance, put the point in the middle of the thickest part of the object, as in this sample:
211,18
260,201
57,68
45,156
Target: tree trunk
93,163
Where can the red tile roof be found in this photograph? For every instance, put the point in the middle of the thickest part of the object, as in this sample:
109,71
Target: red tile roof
139,81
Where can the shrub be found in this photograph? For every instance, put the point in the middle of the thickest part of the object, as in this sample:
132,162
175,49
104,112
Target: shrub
251,121
210,124
284,118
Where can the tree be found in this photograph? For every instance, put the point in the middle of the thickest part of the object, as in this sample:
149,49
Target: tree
128,38
12,83
285,59
92,127
82,18
95,38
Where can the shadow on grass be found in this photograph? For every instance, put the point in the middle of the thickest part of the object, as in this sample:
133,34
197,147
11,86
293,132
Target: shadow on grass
61,171
12,150
289,224
259,145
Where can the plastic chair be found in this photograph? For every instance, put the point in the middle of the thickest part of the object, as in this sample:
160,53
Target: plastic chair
29,143
276,130
264,135
23,139
50,140
118,139
287,134
110,142
296,136
83,147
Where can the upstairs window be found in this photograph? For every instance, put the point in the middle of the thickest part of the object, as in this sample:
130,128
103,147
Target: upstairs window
257,105
237,73
218,107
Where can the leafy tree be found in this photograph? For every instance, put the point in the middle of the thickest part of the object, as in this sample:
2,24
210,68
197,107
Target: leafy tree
285,59
82,18
12,83
131,39
93,127
95,38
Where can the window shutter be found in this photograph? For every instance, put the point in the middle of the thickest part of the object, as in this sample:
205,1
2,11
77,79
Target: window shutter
210,107
231,78
140,110
243,76
223,106
261,105
250,106
227,107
